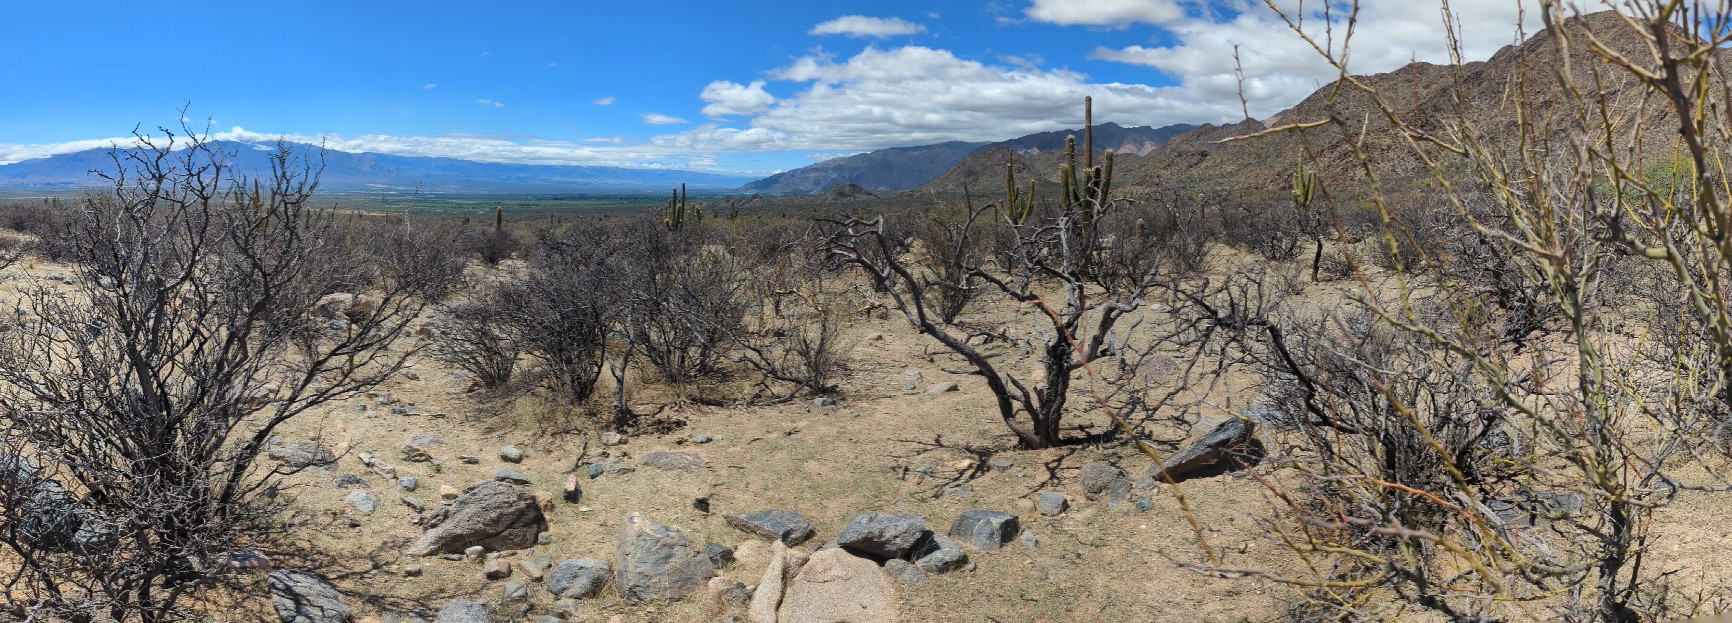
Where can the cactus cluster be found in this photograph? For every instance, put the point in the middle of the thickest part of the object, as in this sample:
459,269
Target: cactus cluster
1304,186
1017,205
675,216
1084,194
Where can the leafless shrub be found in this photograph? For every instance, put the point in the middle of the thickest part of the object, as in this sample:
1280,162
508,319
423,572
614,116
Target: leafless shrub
473,338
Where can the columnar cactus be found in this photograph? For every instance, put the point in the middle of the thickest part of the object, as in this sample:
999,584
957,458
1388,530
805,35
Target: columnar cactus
499,218
675,218
1304,186
1017,207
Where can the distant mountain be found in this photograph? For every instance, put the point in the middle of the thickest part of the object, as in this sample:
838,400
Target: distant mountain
361,172
903,168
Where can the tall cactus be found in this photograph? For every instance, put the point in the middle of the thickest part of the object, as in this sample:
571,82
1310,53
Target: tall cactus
1016,206
1304,186
1083,195
498,219
675,218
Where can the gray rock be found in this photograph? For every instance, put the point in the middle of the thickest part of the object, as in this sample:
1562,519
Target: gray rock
1098,476
612,439
939,388
596,470
1214,447
510,454
621,471
823,402
303,455
474,553
468,459
1052,504
719,555
673,460
413,570
515,591
701,439
490,513
364,502
512,476
987,530
344,481
1029,539
1119,492
419,448
883,535
408,483
414,503
578,579
999,465
738,593
939,554
788,527
905,571
461,610
961,492
496,569
1144,504
301,597
654,562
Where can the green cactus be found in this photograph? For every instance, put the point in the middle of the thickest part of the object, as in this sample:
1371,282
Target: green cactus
1018,207
499,218
675,218
1304,186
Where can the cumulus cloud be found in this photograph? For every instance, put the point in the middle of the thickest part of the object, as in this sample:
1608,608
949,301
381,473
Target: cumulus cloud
656,118
1105,12
724,98
869,27
604,101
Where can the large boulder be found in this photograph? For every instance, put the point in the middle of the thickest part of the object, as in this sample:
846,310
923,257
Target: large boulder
883,535
461,610
835,586
578,579
491,514
658,563
54,520
786,526
987,530
1219,445
301,597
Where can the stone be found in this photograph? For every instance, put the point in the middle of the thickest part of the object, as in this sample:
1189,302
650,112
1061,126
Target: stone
987,530
419,447
383,471
512,476
474,553
701,439
490,513
364,502
566,607
573,493
414,503
303,455
461,610
768,596
835,587
496,569
823,402
510,454
1029,539
1225,439
960,492
413,570
612,439
654,562
596,470
905,571
940,554
246,559
719,555
999,465
533,568
673,460
515,590
1052,504
1098,476
1144,504
301,597
738,593
468,459
448,492
545,538
883,535
344,481
939,388
1119,492
408,483
910,377
578,579
621,471
786,526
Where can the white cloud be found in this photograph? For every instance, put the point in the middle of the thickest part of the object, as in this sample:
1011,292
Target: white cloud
656,118
490,103
430,85
605,101
862,26
1105,12
732,99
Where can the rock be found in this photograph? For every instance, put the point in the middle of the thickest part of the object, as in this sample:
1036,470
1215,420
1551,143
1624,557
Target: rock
719,555
999,465
738,593
545,538
1119,492
474,553
344,481
578,579
939,554
939,388
461,610
496,569
448,492
1214,447
364,502
752,552
512,476
905,571
533,568
490,513
612,439
788,527
412,570
1052,504
836,587
414,503
987,530
910,377
303,455
544,500
383,471
1098,476
596,470
419,447
301,597
566,607
1029,539
654,562
246,559
823,402
515,591
573,493
883,535
510,454
468,459
673,460
1144,504
768,596
701,439
621,471
961,492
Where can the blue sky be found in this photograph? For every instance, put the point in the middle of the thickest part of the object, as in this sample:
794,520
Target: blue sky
733,86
